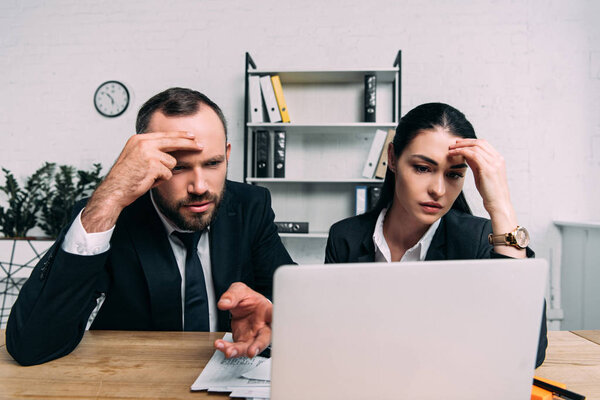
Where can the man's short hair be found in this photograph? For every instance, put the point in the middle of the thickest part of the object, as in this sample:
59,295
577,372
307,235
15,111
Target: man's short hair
175,102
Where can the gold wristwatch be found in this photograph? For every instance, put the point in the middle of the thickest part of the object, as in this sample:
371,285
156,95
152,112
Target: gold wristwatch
518,238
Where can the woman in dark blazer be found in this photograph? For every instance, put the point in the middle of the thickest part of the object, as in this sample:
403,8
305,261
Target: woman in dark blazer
422,213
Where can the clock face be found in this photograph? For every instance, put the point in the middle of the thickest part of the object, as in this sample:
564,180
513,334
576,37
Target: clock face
111,99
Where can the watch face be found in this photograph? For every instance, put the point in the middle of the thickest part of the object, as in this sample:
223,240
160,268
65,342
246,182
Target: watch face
111,99
522,237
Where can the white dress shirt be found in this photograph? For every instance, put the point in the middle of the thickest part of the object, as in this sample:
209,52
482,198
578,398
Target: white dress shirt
78,241
416,253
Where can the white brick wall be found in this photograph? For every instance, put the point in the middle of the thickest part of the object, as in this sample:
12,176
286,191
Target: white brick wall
526,72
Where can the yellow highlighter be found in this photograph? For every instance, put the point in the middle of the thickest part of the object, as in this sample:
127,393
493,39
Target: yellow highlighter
552,390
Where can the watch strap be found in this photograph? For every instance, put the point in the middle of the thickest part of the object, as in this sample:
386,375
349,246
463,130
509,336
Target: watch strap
502,239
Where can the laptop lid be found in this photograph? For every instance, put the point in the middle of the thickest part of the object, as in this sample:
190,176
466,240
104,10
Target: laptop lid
419,330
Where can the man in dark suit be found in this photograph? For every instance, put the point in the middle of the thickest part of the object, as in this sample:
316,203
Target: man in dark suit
160,240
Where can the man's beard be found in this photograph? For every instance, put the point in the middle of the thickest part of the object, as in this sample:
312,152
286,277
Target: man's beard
195,222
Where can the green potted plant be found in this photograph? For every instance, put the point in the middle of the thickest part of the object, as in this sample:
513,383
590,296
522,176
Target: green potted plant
70,186
24,203
18,254
46,201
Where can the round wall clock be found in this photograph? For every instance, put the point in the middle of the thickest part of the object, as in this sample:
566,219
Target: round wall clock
111,99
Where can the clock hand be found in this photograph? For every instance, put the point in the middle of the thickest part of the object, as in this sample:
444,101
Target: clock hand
110,97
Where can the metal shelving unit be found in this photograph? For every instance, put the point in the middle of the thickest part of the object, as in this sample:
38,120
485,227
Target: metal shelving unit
327,142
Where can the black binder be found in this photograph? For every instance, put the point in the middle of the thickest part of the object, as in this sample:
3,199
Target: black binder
373,195
261,154
279,155
370,97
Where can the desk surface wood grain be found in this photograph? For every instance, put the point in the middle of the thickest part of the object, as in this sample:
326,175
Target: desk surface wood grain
594,336
573,360
115,365
144,365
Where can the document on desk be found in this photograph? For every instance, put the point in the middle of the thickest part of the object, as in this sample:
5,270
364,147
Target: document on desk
252,393
261,372
235,375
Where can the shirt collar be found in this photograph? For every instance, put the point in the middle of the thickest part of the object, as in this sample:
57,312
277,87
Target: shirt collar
382,247
428,238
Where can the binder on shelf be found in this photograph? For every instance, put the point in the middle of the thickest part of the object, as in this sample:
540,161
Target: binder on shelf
254,93
291,227
261,153
382,164
361,200
278,90
374,153
253,160
269,97
370,97
373,195
279,154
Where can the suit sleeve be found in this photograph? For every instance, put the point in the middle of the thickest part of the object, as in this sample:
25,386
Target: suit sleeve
268,252
50,315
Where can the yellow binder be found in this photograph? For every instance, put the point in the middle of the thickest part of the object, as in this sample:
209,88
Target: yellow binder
383,157
285,116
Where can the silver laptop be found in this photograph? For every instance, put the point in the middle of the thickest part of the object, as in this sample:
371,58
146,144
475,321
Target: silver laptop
421,330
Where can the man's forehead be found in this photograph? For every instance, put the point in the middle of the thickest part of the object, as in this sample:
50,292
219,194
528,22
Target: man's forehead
205,120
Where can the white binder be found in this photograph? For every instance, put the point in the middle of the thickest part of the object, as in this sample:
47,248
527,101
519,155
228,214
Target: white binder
256,107
270,100
361,200
374,153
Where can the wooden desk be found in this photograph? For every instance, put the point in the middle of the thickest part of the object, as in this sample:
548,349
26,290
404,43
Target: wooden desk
115,365
594,336
573,359
144,365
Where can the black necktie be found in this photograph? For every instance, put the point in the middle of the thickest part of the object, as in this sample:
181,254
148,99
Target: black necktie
195,314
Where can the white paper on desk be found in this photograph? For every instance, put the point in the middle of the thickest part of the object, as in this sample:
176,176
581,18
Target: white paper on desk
219,389
261,372
256,393
221,372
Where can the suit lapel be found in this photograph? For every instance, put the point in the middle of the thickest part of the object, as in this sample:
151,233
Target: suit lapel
367,249
158,263
437,248
224,237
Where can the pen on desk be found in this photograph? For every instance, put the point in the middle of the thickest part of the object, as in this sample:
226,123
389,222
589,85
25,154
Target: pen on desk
562,393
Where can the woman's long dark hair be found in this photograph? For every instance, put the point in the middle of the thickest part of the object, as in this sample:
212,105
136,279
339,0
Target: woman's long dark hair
425,117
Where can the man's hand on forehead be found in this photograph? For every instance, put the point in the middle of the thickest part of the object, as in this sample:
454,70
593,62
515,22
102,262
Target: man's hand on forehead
171,141
143,163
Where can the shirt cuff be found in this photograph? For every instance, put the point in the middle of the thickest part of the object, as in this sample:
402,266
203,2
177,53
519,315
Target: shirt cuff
78,241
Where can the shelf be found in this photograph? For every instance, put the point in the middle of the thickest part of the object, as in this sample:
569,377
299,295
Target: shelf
350,127
577,224
384,75
327,143
303,180
315,235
